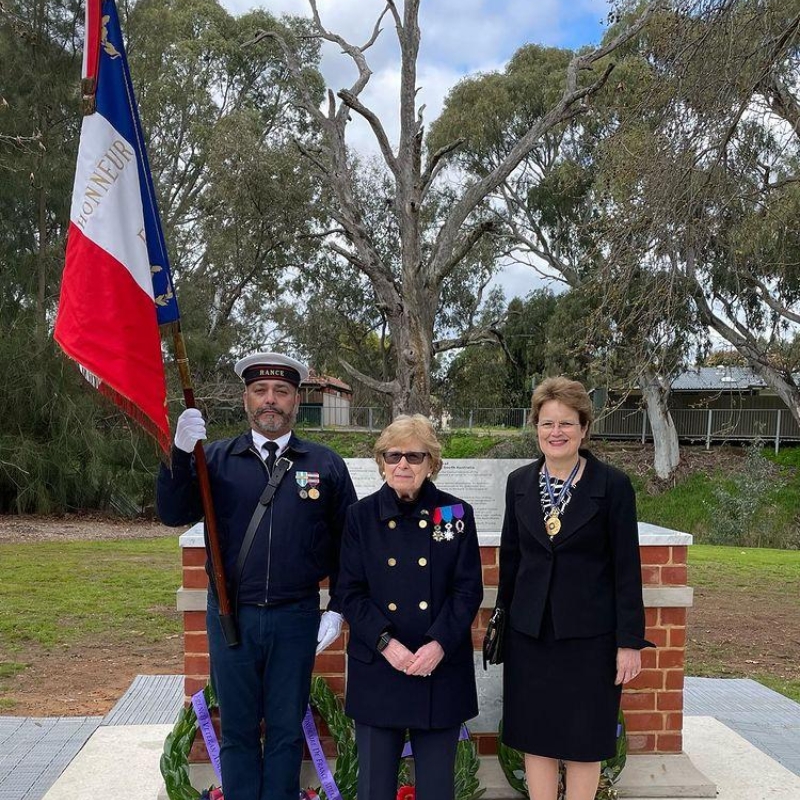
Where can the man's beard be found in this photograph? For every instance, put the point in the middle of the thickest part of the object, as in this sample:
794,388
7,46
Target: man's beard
265,424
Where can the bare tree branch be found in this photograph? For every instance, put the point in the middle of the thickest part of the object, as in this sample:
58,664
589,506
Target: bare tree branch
385,387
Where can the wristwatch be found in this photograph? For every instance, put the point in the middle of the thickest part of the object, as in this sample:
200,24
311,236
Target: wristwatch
383,642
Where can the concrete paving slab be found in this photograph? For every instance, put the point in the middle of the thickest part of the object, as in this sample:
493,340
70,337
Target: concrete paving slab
119,761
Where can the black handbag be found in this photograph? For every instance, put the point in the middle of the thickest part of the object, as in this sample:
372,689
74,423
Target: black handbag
493,641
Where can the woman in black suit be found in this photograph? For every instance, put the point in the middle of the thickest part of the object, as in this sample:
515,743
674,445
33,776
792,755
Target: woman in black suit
570,585
410,586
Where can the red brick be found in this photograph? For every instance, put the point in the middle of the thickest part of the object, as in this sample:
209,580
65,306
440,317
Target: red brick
194,578
658,554
489,556
477,638
673,679
673,575
670,701
673,721
672,616
329,662
195,665
484,615
487,745
491,576
193,684
678,553
651,617
195,642
658,636
638,701
670,658
193,556
651,575
677,637
194,621
648,658
644,721
641,743
669,743
647,679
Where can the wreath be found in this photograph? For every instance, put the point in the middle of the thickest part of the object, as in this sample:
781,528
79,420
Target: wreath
175,758
512,763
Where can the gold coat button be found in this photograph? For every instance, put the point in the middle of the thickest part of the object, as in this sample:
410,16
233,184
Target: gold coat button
423,562
392,562
423,523
392,524
392,606
423,605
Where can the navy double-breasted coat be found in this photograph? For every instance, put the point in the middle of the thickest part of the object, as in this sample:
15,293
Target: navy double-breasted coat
396,575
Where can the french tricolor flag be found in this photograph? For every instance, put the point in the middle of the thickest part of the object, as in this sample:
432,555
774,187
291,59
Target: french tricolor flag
116,289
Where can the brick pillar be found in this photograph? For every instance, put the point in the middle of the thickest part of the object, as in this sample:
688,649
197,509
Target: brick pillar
653,703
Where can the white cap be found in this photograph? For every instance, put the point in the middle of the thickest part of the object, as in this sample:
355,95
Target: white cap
271,366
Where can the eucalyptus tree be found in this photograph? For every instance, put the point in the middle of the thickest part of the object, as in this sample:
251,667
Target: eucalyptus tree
408,291
552,209
705,169
240,214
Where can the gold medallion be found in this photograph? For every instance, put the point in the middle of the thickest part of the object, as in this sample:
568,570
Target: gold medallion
552,524
313,493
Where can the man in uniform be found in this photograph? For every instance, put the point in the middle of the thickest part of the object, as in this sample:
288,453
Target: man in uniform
275,589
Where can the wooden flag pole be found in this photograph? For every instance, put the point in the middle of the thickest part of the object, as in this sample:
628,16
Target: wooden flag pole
227,616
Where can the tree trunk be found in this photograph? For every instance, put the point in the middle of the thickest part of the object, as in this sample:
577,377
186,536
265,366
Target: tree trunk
655,391
413,329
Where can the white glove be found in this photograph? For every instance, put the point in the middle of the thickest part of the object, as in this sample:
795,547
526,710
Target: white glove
330,626
191,427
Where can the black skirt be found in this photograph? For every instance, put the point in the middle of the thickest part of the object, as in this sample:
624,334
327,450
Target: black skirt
559,697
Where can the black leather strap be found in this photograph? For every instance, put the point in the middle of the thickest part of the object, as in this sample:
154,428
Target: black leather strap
282,466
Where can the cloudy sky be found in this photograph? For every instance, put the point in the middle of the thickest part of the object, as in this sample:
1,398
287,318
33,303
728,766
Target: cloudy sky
459,38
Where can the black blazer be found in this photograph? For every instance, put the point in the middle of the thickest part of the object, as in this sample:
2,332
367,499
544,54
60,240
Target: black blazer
590,571
394,575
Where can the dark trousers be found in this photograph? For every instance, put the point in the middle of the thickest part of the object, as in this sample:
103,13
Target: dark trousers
266,676
379,752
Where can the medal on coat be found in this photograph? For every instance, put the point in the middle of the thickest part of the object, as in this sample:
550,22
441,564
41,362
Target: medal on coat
437,525
313,482
302,481
552,523
458,513
447,516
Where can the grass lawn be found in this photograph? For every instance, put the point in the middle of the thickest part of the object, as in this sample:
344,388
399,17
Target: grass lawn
60,593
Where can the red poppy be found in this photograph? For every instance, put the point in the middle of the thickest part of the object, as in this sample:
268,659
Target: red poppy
406,793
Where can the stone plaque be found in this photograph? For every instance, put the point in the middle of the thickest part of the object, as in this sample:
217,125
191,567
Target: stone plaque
490,697
479,481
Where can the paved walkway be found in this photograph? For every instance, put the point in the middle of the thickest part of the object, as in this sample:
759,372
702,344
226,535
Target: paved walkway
35,751
765,718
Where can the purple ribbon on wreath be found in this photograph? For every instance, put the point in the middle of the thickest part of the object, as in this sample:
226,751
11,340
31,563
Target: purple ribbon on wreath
207,729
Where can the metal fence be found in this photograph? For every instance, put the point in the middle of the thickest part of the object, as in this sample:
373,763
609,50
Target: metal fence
704,425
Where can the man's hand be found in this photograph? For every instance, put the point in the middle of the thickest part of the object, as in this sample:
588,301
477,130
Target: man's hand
629,665
330,626
426,659
190,429
398,655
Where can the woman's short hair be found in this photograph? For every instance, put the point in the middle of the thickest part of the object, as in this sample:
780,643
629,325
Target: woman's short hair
570,393
407,427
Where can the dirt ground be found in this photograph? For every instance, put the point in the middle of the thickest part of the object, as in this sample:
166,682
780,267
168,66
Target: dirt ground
753,633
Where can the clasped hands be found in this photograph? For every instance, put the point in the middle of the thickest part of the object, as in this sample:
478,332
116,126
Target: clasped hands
421,663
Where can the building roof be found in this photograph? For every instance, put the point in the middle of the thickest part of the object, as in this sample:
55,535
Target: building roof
718,379
324,381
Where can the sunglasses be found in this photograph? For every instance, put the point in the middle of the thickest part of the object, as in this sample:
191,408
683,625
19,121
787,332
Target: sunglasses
395,457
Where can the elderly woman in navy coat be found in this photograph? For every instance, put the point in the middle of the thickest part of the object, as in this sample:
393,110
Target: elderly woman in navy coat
410,586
